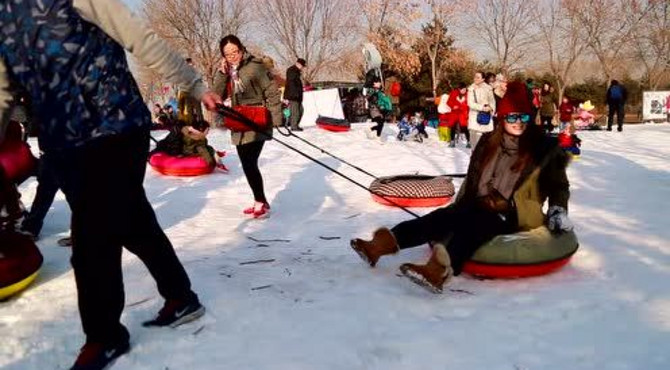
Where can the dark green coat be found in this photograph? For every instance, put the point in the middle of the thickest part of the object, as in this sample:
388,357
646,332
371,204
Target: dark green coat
545,179
260,89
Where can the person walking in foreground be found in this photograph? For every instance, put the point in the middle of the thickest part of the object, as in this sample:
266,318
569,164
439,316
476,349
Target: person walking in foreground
95,126
293,93
616,101
243,80
512,171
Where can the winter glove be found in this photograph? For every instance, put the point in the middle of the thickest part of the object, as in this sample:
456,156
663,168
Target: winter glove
558,221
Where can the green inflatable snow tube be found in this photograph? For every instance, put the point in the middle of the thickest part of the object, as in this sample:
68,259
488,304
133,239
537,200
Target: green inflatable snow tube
527,253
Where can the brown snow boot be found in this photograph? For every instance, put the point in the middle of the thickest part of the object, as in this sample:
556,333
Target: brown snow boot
383,242
434,274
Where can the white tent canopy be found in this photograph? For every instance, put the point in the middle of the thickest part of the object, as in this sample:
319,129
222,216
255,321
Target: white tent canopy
320,102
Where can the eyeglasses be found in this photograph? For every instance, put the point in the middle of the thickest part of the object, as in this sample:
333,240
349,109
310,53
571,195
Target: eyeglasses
231,54
514,117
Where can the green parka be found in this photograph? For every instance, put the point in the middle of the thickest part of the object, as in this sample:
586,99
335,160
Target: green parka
260,89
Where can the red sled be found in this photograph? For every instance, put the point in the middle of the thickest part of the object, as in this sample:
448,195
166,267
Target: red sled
333,124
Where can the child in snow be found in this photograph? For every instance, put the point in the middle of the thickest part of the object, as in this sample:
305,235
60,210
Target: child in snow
585,117
408,128
443,110
404,127
195,143
419,124
569,141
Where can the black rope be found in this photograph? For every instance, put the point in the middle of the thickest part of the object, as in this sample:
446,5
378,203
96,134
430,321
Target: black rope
225,111
332,155
291,133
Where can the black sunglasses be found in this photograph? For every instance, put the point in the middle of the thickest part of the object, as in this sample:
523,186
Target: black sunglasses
514,117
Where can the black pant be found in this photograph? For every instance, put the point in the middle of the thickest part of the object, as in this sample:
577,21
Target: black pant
9,200
103,184
379,127
468,228
462,129
296,109
545,121
617,108
249,154
47,187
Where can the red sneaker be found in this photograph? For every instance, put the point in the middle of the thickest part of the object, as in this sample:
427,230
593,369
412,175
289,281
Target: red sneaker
222,167
221,153
252,210
264,212
97,356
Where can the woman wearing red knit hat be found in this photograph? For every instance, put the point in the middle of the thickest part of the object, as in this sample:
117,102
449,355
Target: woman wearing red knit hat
513,171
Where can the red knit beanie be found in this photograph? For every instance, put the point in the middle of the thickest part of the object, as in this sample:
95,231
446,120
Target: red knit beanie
515,100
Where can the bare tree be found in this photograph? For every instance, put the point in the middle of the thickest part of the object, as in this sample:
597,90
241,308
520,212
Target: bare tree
504,25
607,28
389,28
651,41
151,84
321,31
196,26
559,39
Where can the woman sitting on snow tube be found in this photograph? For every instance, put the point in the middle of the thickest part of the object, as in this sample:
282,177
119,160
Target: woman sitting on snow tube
513,171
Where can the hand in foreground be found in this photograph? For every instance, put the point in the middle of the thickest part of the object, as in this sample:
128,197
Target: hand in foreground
558,221
210,100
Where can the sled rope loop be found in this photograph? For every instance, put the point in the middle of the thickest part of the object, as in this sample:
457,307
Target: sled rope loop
229,112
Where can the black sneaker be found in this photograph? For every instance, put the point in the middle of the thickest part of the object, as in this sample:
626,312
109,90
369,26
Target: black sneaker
619,128
175,313
98,356
65,242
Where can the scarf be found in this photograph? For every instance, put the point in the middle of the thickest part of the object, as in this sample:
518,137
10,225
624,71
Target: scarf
498,174
237,84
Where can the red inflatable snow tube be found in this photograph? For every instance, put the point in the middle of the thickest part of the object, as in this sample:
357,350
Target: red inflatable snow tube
412,190
179,166
411,202
20,261
513,271
333,124
333,128
16,158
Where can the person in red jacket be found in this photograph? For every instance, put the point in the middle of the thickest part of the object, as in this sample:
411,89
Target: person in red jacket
458,102
566,110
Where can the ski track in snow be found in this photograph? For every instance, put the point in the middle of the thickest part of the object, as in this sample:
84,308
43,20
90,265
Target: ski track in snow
313,304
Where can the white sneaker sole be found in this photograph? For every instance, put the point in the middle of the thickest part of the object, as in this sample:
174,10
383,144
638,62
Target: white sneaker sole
190,317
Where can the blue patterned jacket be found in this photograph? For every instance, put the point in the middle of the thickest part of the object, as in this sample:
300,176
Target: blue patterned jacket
77,76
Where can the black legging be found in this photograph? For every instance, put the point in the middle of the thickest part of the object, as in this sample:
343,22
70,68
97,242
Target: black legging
468,228
463,129
380,125
546,123
249,154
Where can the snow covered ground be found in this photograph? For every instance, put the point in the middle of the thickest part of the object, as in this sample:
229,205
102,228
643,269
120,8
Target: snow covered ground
315,305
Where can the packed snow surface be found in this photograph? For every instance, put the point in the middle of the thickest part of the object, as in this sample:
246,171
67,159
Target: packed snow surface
288,293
